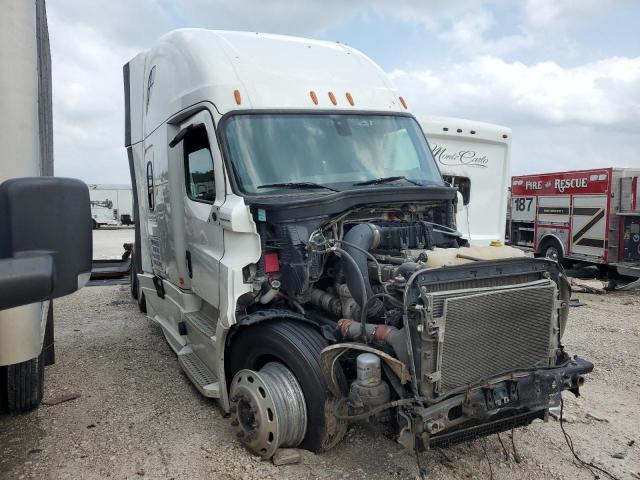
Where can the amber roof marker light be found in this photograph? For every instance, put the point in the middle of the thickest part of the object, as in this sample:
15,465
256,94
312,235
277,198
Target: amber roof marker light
314,97
333,99
404,104
350,99
236,95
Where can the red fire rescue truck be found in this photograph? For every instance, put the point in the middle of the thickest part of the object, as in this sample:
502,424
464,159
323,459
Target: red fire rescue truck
586,215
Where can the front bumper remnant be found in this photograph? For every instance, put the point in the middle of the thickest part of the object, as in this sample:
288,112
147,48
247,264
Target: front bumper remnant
499,404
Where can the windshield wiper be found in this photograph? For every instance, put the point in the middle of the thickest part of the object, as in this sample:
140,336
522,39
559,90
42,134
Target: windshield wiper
300,185
377,181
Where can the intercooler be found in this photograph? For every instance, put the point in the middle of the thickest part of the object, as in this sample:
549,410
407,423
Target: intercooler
474,334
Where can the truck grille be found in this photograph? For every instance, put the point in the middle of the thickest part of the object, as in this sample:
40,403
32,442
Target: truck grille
493,330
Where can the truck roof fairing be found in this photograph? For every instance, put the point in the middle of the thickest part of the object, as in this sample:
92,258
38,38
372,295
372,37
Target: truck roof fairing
267,71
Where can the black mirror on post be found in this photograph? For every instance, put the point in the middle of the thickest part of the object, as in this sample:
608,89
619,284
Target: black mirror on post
45,239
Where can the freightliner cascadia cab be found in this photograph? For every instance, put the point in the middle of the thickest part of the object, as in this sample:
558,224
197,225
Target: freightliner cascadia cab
298,247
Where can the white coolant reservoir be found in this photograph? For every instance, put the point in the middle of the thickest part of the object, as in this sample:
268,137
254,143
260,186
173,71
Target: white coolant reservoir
439,257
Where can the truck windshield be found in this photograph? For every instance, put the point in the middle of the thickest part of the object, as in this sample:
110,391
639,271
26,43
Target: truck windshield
307,152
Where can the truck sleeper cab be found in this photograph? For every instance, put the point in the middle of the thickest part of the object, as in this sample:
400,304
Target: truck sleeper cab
297,245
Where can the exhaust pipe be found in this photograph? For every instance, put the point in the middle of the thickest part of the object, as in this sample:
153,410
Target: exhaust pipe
381,334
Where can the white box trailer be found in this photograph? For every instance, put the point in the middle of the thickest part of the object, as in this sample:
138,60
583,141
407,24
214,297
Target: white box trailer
292,230
44,250
120,197
474,157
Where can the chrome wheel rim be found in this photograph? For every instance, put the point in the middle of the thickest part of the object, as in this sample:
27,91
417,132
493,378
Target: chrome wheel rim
268,408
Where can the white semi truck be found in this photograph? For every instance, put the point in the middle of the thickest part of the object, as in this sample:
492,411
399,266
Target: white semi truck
474,157
297,245
45,229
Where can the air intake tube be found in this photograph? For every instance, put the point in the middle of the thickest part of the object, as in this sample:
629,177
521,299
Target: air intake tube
357,241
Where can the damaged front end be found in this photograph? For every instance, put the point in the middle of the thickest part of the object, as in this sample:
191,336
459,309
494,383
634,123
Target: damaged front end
479,351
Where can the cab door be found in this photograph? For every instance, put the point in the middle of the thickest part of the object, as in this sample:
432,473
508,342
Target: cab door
204,193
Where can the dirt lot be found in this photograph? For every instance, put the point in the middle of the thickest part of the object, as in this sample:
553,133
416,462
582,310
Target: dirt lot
137,414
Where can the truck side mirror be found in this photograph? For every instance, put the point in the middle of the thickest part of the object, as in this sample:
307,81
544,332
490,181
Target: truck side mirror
45,239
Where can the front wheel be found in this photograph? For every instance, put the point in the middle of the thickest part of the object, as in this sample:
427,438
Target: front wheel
278,360
552,250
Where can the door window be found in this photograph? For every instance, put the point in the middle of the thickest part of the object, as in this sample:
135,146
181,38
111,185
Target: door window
198,166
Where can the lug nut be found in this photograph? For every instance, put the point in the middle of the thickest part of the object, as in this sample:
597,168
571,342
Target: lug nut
240,434
235,422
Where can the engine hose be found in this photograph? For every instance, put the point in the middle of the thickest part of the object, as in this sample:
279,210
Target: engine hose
363,313
368,254
373,411
382,334
361,238
347,256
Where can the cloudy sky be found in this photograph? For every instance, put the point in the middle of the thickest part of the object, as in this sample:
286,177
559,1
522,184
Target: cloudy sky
563,74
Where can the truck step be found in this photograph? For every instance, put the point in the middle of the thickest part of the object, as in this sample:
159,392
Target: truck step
202,323
201,376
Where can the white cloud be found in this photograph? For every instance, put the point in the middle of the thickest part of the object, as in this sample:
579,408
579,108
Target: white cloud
606,92
563,13
470,31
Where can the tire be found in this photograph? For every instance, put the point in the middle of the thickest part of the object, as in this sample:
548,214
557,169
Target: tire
136,292
21,385
142,302
552,250
133,280
298,347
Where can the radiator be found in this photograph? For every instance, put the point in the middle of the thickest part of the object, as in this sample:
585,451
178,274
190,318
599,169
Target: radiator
480,333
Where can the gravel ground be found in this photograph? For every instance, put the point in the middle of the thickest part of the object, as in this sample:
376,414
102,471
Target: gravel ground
138,416
107,242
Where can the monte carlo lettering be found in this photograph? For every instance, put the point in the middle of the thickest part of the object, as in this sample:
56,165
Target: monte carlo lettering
469,158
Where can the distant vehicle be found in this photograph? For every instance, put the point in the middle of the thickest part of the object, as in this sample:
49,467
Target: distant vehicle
45,228
102,213
474,157
584,215
120,198
297,245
